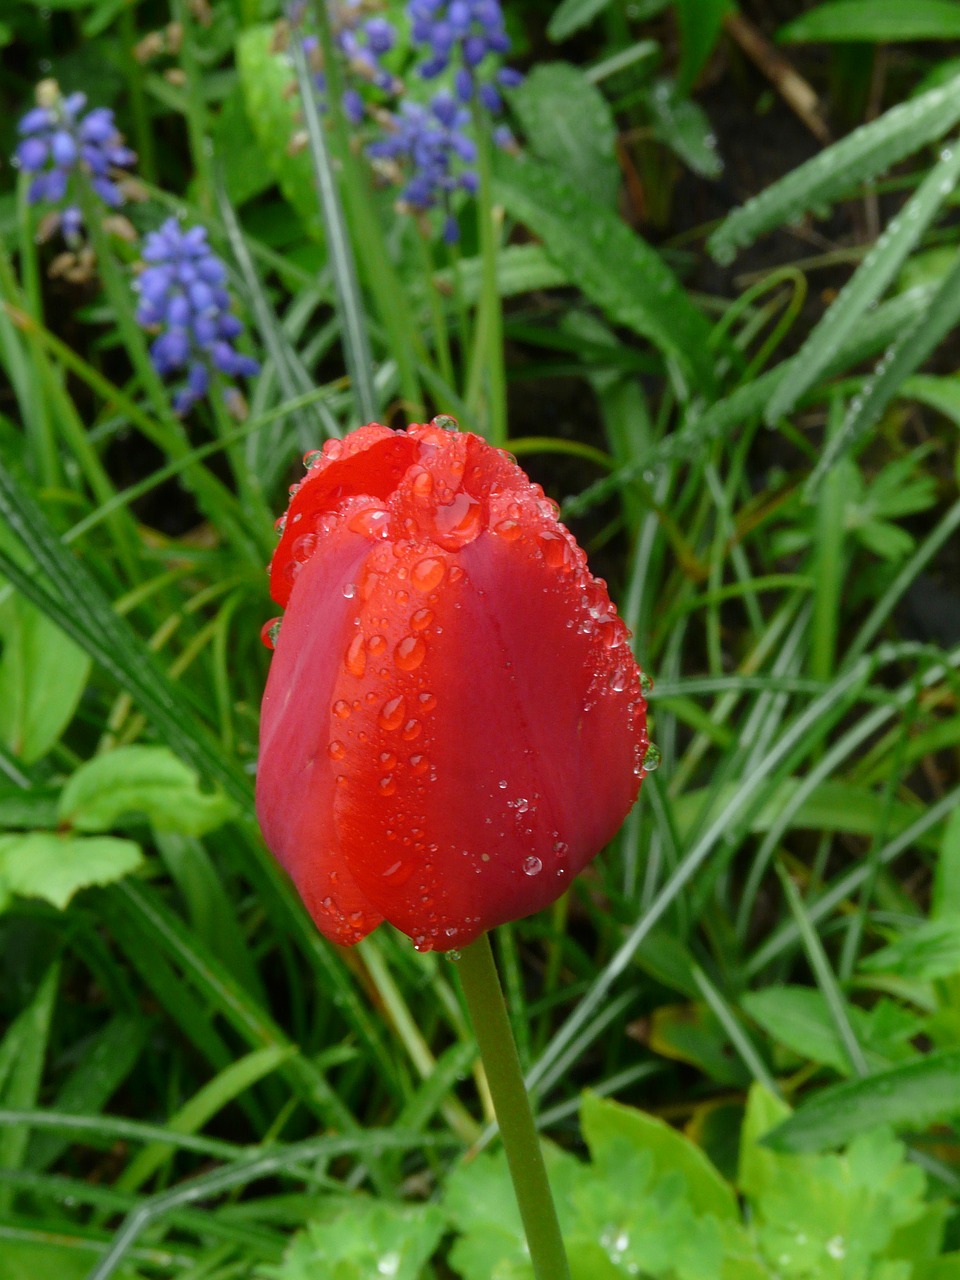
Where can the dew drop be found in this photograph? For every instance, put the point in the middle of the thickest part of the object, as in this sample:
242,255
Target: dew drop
312,458
270,631
427,701
419,764
410,652
387,785
336,750
427,574
553,548
372,522
356,657
349,590
421,619
502,784
392,713
341,708
651,761
532,866
412,729
646,684
388,759
509,530
376,644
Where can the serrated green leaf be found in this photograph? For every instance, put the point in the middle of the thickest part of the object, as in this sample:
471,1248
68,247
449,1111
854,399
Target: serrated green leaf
604,1121
875,21
584,238
44,865
928,951
265,78
914,1095
362,1239
940,393
868,282
799,1018
141,780
42,675
568,123
866,153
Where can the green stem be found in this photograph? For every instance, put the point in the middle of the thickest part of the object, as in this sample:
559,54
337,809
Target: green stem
488,1013
487,369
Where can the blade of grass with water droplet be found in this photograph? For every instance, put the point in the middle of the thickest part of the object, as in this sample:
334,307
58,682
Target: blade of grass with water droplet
868,282
902,359
866,153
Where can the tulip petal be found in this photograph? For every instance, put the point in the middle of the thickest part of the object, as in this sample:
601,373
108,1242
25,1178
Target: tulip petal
297,772
499,740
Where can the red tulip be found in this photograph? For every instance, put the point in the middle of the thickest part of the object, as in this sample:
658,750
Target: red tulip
453,725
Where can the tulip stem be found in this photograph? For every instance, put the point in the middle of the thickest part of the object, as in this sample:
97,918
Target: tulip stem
488,1013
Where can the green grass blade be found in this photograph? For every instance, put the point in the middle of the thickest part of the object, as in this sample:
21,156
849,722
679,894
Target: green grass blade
866,153
868,282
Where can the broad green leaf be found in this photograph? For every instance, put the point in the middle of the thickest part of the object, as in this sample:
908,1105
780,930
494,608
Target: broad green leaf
928,951
568,124
700,24
363,1239
42,864
691,1033
866,153
945,1268
914,1095
520,269
265,78
141,780
22,810
868,282
682,125
875,20
604,1121
42,675
570,15
584,238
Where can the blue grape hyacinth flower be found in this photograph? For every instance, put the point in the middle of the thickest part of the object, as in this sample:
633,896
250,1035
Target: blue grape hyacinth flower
462,34
431,147
58,139
182,295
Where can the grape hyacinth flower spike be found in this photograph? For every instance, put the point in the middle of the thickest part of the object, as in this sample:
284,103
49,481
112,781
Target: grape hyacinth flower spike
182,295
463,34
59,139
430,147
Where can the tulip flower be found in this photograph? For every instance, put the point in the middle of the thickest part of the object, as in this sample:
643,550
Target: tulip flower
454,723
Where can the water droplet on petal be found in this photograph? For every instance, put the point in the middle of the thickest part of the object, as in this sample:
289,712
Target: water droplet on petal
341,708
509,530
421,619
270,632
392,713
349,590
502,784
419,764
356,657
410,652
651,761
312,458
388,785
376,644
427,701
532,866
412,729
646,684
427,574
372,522
336,750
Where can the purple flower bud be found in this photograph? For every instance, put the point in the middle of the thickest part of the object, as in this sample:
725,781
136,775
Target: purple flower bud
32,154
